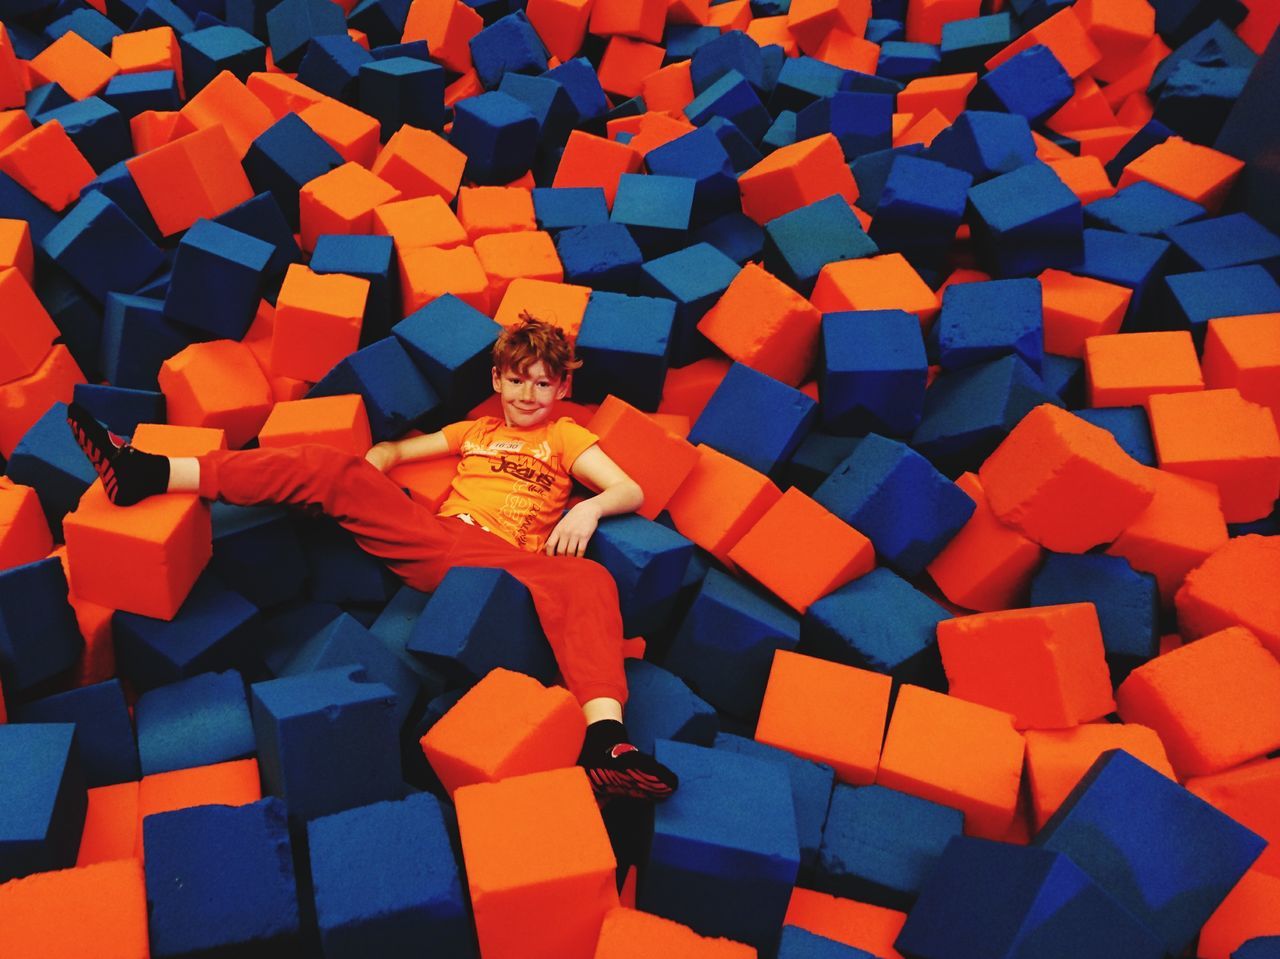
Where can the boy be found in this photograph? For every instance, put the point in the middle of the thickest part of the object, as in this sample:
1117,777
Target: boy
504,511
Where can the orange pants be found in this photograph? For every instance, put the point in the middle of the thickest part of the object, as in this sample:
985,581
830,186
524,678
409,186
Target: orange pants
576,599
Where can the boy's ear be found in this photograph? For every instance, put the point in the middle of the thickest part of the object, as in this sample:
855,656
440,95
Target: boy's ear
566,383
497,381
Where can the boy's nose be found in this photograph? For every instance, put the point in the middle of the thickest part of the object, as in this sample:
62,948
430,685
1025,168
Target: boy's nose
527,391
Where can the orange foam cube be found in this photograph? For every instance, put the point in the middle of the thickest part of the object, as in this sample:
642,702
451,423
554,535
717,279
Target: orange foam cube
341,201
626,63
926,18
225,101
628,934
234,783
1064,483
828,712
282,93
217,384
508,724
811,21
688,388
528,254
15,248
1078,307
957,753
355,135
318,322
946,94
495,209
97,661
1244,352
74,64
1218,435
719,501
152,128
1103,143
1179,529
26,399
669,90
24,532
1124,369
646,452
563,304
1247,794
539,866
730,15
166,439
192,177
1214,702
987,565
875,283
1057,758
1066,39
794,176
1085,176
762,322
858,924
146,50
849,51
418,222
420,163
1235,585
98,910
110,824
561,24
1197,173
447,26
1120,29
337,421
48,165
14,125
594,161
467,85
13,78
1087,109
432,271
922,129
642,19
429,482
775,30
27,331
800,552
1137,75
1249,911
1259,25
1043,665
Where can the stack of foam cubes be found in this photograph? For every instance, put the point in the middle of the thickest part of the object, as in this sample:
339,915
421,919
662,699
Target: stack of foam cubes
943,337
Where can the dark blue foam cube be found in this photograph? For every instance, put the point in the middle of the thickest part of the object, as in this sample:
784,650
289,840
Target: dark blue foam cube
43,459
1063,376
1214,45
558,208
580,82
194,722
898,500
700,156
731,622
623,343
136,340
871,372
326,740
1130,260
919,208
733,50
285,629
1236,239
98,129
871,171
1026,221
735,235
985,144
800,243
332,65
1150,134
89,24
372,258
755,419
499,135
1130,427
292,24
782,133
207,52
382,21
802,80
77,316
393,627
257,553
1195,298
285,157
1259,947
1195,99
903,61
163,13
387,880
1165,854
1183,24
694,278
47,96
987,320
133,93
218,278
648,562
1000,901
862,122
1032,84
104,733
212,631
660,706
402,90
732,98
1141,207
817,455
220,881
101,248
602,256
338,570
42,798
452,344
18,204
968,44
261,217
797,943
656,209
509,44
396,395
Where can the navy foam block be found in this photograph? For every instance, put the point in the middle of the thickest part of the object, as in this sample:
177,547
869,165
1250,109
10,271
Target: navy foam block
624,342
879,30
648,562
656,209
402,90
1236,239
694,278
89,24
1063,376
1196,99
292,24
132,93
387,881
811,785
332,65
163,13
509,44
220,881
602,256
986,320
45,460
42,798
1259,947
862,122
136,340
802,80
879,845
968,44
16,203
723,868
498,133
1032,84
1168,856
743,152
986,899
97,128
1141,207
985,144
871,372
211,631
733,98
735,235
194,722
903,61
797,943
1150,134
919,208
558,208
218,278
338,570
1182,23
257,553
661,706
286,156
733,50
871,171
108,749
117,184
77,316
800,243
45,97
382,21
683,40
1215,44
396,395
817,455
1026,221
101,248
898,500
1196,298
326,740
579,79
1127,601
1130,427
261,217
725,645
286,629
700,156
1130,260
479,619
881,622
372,258
755,419
452,344
207,52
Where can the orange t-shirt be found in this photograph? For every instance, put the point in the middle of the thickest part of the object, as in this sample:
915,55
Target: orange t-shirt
514,482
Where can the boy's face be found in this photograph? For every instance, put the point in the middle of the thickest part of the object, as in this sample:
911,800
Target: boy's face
528,397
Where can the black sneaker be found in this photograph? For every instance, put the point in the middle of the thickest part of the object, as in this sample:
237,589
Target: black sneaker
128,475
617,768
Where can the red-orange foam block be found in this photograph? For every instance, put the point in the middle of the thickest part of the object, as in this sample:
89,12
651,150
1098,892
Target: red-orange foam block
1251,910
646,452
217,384
74,64
1215,703
27,331
16,251
110,824
508,724
827,712
873,929
763,323
800,551
48,165
167,439
1197,173
433,271
521,254
1043,665
794,176
630,934
1236,585
337,421
1248,795
226,102
318,322
1244,352
539,866
561,24
447,26
1219,436
1124,369
595,161
812,21
1078,307
562,304
957,753
1063,482
420,163
189,178
1057,758
24,532
719,501
341,201
98,910
26,399
688,389
886,282
495,209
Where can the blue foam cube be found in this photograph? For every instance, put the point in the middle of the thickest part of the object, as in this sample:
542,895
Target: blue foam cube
402,90
89,24
862,122
1196,99
18,204
817,455
919,208
331,65
755,419
163,13
1130,260
985,144
218,278
623,343
871,171
656,209
1130,427
42,798
382,21
1026,221
56,468
800,243
47,96
735,235
101,248
797,943
871,372
700,156
293,24
558,208
694,278
194,722
648,563
136,340
1259,947
509,44
372,258
98,129
396,395
257,553
208,52
602,256
660,706
969,43
338,570
498,133
284,158
733,98
1236,239
781,133
733,50
452,344
104,733
1195,298
1032,84
1141,207
580,82
903,61
987,320
261,217
802,80
1150,134
133,93
1063,376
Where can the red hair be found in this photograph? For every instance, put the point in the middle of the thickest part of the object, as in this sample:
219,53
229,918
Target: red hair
524,343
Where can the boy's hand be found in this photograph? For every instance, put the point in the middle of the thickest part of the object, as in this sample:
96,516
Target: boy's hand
383,456
571,534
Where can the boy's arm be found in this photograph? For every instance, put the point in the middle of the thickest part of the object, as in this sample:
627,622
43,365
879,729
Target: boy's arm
392,453
619,493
